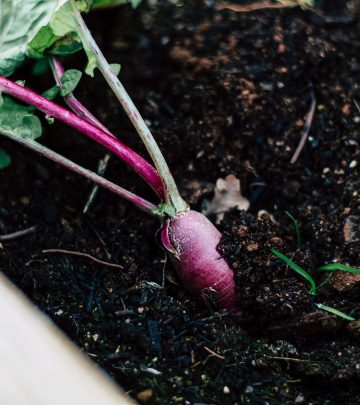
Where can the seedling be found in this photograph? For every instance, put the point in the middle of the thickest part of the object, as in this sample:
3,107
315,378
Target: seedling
335,312
313,288
190,239
339,267
299,270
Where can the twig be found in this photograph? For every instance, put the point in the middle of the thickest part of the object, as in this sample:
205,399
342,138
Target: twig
356,104
295,360
255,6
18,234
214,353
101,171
308,122
74,253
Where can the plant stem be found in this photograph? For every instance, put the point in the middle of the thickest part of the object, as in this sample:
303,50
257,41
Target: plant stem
139,202
173,197
136,162
79,109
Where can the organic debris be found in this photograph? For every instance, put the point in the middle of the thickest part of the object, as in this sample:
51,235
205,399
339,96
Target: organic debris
227,195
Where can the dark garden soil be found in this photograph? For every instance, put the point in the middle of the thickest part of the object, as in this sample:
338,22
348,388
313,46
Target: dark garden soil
225,92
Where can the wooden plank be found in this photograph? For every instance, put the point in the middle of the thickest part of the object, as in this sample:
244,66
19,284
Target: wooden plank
38,363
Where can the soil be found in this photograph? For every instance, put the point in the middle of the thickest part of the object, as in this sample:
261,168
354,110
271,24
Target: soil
225,92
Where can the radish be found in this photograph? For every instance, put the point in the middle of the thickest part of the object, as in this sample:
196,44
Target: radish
190,239
192,243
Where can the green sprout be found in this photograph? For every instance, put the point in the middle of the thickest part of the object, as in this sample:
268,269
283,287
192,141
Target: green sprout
303,273
313,288
340,267
335,312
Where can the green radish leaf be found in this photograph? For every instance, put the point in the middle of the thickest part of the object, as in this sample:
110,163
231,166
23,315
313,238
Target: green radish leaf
40,67
303,273
115,68
111,3
335,312
51,93
41,42
66,46
20,21
50,120
5,159
66,31
18,118
70,79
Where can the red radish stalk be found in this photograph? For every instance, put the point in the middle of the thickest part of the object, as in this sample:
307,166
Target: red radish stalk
136,162
139,202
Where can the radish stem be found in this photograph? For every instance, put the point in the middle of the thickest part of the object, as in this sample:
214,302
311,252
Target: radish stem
172,196
135,161
139,202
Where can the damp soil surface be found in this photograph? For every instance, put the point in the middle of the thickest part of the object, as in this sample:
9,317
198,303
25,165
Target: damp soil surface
225,92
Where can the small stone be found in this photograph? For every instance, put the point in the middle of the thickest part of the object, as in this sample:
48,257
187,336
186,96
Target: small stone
351,230
25,200
353,164
242,230
226,390
266,86
249,389
95,337
252,247
343,282
299,399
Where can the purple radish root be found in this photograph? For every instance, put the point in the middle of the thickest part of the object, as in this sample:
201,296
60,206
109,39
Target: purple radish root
192,243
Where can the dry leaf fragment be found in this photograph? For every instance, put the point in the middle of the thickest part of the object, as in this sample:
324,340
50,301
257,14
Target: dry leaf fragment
227,194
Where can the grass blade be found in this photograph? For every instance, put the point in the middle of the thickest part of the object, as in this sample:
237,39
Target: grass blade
297,229
335,312
340,267
303,273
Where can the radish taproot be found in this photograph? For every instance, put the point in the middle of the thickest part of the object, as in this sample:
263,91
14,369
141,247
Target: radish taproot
192,244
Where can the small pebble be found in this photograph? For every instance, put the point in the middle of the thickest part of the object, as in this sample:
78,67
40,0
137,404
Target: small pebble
353,164
299,399
226,390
